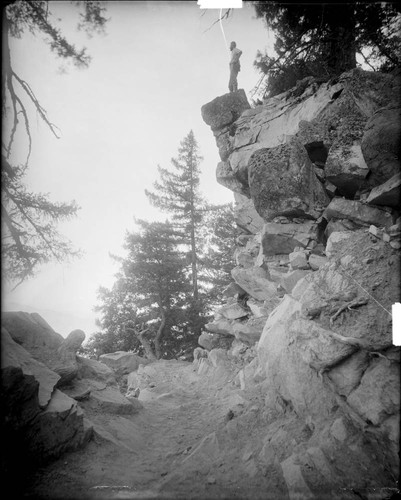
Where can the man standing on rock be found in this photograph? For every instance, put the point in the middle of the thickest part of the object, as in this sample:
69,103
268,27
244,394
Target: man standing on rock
235,67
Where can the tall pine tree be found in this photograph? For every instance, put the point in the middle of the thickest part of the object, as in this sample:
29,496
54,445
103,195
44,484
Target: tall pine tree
148,302
177,193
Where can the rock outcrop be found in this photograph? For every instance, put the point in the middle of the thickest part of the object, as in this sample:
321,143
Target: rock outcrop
53,397
319,267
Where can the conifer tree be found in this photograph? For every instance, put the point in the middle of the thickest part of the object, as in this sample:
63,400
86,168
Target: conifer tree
149,300
29,220
178,194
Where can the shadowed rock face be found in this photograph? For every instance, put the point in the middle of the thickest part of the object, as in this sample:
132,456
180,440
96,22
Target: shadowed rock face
320,167
381,144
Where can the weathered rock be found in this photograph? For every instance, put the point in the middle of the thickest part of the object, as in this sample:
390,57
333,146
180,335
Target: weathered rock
203,455
14,355
279,350
221,326
388,193
218,357
317,261
339,430
245,214
233,311
19,396
249,331
381,143
297,487
59,428
317,289
212,341
233,290
335,226
346,168
289,280
298,260
94,370
341,208
334,243
282,182
224,110
254,281
258,308
31,333
243,258
347,375
66,364
44,344
123,362
227,178
224,142
378,395
45,433
198,354
284,238
110,400
78,390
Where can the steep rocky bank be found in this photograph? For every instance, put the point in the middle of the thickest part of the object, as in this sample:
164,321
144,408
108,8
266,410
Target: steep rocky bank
294,390
316,177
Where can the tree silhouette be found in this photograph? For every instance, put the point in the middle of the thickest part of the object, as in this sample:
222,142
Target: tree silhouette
29,220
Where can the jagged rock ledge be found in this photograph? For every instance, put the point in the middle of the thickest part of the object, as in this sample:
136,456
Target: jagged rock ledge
316,181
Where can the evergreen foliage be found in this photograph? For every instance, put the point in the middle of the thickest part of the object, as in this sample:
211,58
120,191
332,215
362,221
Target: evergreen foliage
29,220
323,39
151,289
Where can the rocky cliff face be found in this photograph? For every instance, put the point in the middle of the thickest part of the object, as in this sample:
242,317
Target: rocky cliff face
316,179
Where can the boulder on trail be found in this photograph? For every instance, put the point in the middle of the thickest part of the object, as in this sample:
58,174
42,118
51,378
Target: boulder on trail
44,344
46,421
123,362
14,355
95,370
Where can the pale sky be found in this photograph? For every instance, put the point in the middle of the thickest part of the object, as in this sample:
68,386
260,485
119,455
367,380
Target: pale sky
120,118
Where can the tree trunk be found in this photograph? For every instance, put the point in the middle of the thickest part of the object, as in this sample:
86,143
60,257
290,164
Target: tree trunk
145,342
341,55
159,334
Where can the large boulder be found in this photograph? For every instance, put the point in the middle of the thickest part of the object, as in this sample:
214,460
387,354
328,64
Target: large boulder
282,181
381,143
14,355
346,168
123,362
356,211
224,110
290,374
33,334
44,344
279,238
211,341
388,193
40,421
255,281
95,370
66,364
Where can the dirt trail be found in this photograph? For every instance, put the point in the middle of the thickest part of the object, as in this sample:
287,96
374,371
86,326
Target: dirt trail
178,446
